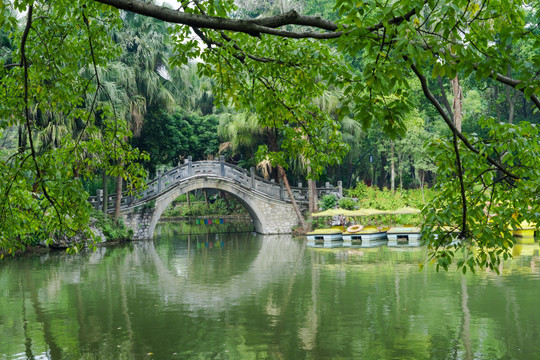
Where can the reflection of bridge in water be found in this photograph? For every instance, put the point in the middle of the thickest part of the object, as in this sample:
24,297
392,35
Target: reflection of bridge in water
276,257
266,201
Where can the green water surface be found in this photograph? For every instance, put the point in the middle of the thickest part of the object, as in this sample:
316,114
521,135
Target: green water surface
246,296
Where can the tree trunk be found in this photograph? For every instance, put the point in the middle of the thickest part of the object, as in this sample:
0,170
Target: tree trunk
511,100
400,170
118,200
312,193
311,205
496,100
225,198
381,181
422,186
458,102
301,219
188,201
511,106
205,197
458,107
21,138
392,168
444,98
105,192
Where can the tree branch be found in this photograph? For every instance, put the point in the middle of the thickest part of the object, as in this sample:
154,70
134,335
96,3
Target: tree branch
493,74
513,83
253,27
24,62
451,125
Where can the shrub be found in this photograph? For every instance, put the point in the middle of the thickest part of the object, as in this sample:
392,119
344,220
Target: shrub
113,230
328,202
347,203
358,192
319,222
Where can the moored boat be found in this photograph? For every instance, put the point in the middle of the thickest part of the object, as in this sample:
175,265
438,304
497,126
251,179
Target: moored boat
367,236
406,235
526,229
325,235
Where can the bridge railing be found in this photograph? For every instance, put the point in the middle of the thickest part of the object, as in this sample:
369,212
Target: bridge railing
246,179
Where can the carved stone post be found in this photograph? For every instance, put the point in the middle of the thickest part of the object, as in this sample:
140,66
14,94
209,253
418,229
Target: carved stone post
340,188
222,165
190,166
252,171
99,199
159,182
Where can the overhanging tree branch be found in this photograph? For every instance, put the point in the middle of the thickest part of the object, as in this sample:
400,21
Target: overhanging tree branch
40,179
513,83
269,25
253,27
241,57
451,125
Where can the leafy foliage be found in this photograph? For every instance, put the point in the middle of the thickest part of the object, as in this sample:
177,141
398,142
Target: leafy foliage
44,89
114,230
199,208
168,138
495,203
328,202
347,203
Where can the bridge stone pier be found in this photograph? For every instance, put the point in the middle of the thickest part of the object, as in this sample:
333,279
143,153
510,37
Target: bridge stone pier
267,202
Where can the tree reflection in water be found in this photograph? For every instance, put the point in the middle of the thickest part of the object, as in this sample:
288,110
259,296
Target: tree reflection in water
205,295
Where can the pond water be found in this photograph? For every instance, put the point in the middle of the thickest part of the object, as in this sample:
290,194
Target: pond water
246,296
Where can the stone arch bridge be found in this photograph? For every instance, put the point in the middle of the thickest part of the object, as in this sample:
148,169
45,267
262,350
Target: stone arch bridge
267,202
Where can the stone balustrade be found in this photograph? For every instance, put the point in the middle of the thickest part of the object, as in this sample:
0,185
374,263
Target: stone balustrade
193,169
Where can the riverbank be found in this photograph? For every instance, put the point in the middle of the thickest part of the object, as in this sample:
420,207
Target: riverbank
38,249
106,231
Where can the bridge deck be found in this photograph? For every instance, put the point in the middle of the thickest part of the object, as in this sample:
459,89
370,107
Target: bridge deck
195,169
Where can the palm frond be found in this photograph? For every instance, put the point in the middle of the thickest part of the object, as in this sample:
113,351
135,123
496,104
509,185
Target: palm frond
265,168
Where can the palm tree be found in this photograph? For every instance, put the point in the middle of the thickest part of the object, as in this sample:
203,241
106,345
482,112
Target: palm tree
139,81
244,134
329,102
241,133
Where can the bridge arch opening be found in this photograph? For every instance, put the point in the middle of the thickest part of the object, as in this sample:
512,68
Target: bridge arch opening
210,206
245,199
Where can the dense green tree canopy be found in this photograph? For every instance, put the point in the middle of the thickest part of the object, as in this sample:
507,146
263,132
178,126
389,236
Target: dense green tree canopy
169,138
